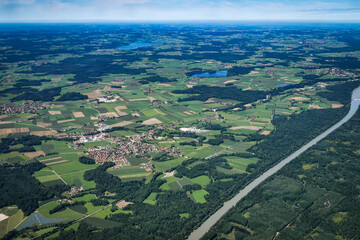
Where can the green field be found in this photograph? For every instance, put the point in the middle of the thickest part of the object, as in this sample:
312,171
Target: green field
151,199
199,196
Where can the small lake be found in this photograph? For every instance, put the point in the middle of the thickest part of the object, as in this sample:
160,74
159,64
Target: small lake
37,218
137,45
222,73
283,85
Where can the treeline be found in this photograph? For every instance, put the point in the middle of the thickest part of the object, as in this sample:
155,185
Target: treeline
45,95
63,206
204,92
290,134
19,187
27,141
72,96
86,160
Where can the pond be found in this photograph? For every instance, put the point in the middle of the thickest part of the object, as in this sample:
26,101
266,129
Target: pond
139,44
222,73
37,218
283,85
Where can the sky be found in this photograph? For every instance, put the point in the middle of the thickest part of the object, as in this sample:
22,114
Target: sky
177,10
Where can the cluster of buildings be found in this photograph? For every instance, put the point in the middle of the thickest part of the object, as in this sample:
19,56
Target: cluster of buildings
337,72
74,191
26,107
93,138
147,166
107,154
172,151
158,102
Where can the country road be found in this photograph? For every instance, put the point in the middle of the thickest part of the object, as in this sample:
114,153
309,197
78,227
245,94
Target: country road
205,227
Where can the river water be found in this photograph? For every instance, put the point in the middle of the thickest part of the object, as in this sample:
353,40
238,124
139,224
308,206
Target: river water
205,227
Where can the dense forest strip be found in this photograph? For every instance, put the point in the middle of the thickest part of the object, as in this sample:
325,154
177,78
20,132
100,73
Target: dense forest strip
198,233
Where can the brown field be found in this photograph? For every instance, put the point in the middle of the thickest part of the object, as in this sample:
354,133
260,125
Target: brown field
293,108
6,122
43,133
120,124
151,98
236,109
78,114
59,106
299,98
121,204
93,118
121,114
315,107
135,114
265,132
52,163
49,159
34,154
210,101
152,121
287,113
13,130
42,124
94,94
3,116
190,85
246,127
65,121
118,108
253,72
230,81
337,105
187,113
139,99
109,114
54,112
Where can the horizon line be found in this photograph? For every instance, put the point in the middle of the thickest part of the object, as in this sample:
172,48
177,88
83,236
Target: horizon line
187,21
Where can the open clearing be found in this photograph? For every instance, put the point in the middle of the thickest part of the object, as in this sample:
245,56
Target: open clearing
121,124
3,217
34,154
54,112
65,121
152,121
78,114
109,114
43,133
246,127
42,124
95,94
13,130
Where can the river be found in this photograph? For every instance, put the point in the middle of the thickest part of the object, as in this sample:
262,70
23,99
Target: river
205,227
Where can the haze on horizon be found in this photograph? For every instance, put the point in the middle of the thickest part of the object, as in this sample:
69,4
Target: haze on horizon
177,10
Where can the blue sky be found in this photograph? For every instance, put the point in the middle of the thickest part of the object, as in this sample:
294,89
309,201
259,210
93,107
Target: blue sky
165,10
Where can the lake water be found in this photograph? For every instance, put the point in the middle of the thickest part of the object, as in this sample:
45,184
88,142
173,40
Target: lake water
222,73
283,85
137,45
37,218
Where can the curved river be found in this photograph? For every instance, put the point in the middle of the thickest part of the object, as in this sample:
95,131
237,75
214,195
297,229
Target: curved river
205,227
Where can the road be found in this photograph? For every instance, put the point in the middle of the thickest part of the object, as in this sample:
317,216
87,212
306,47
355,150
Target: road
205,227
